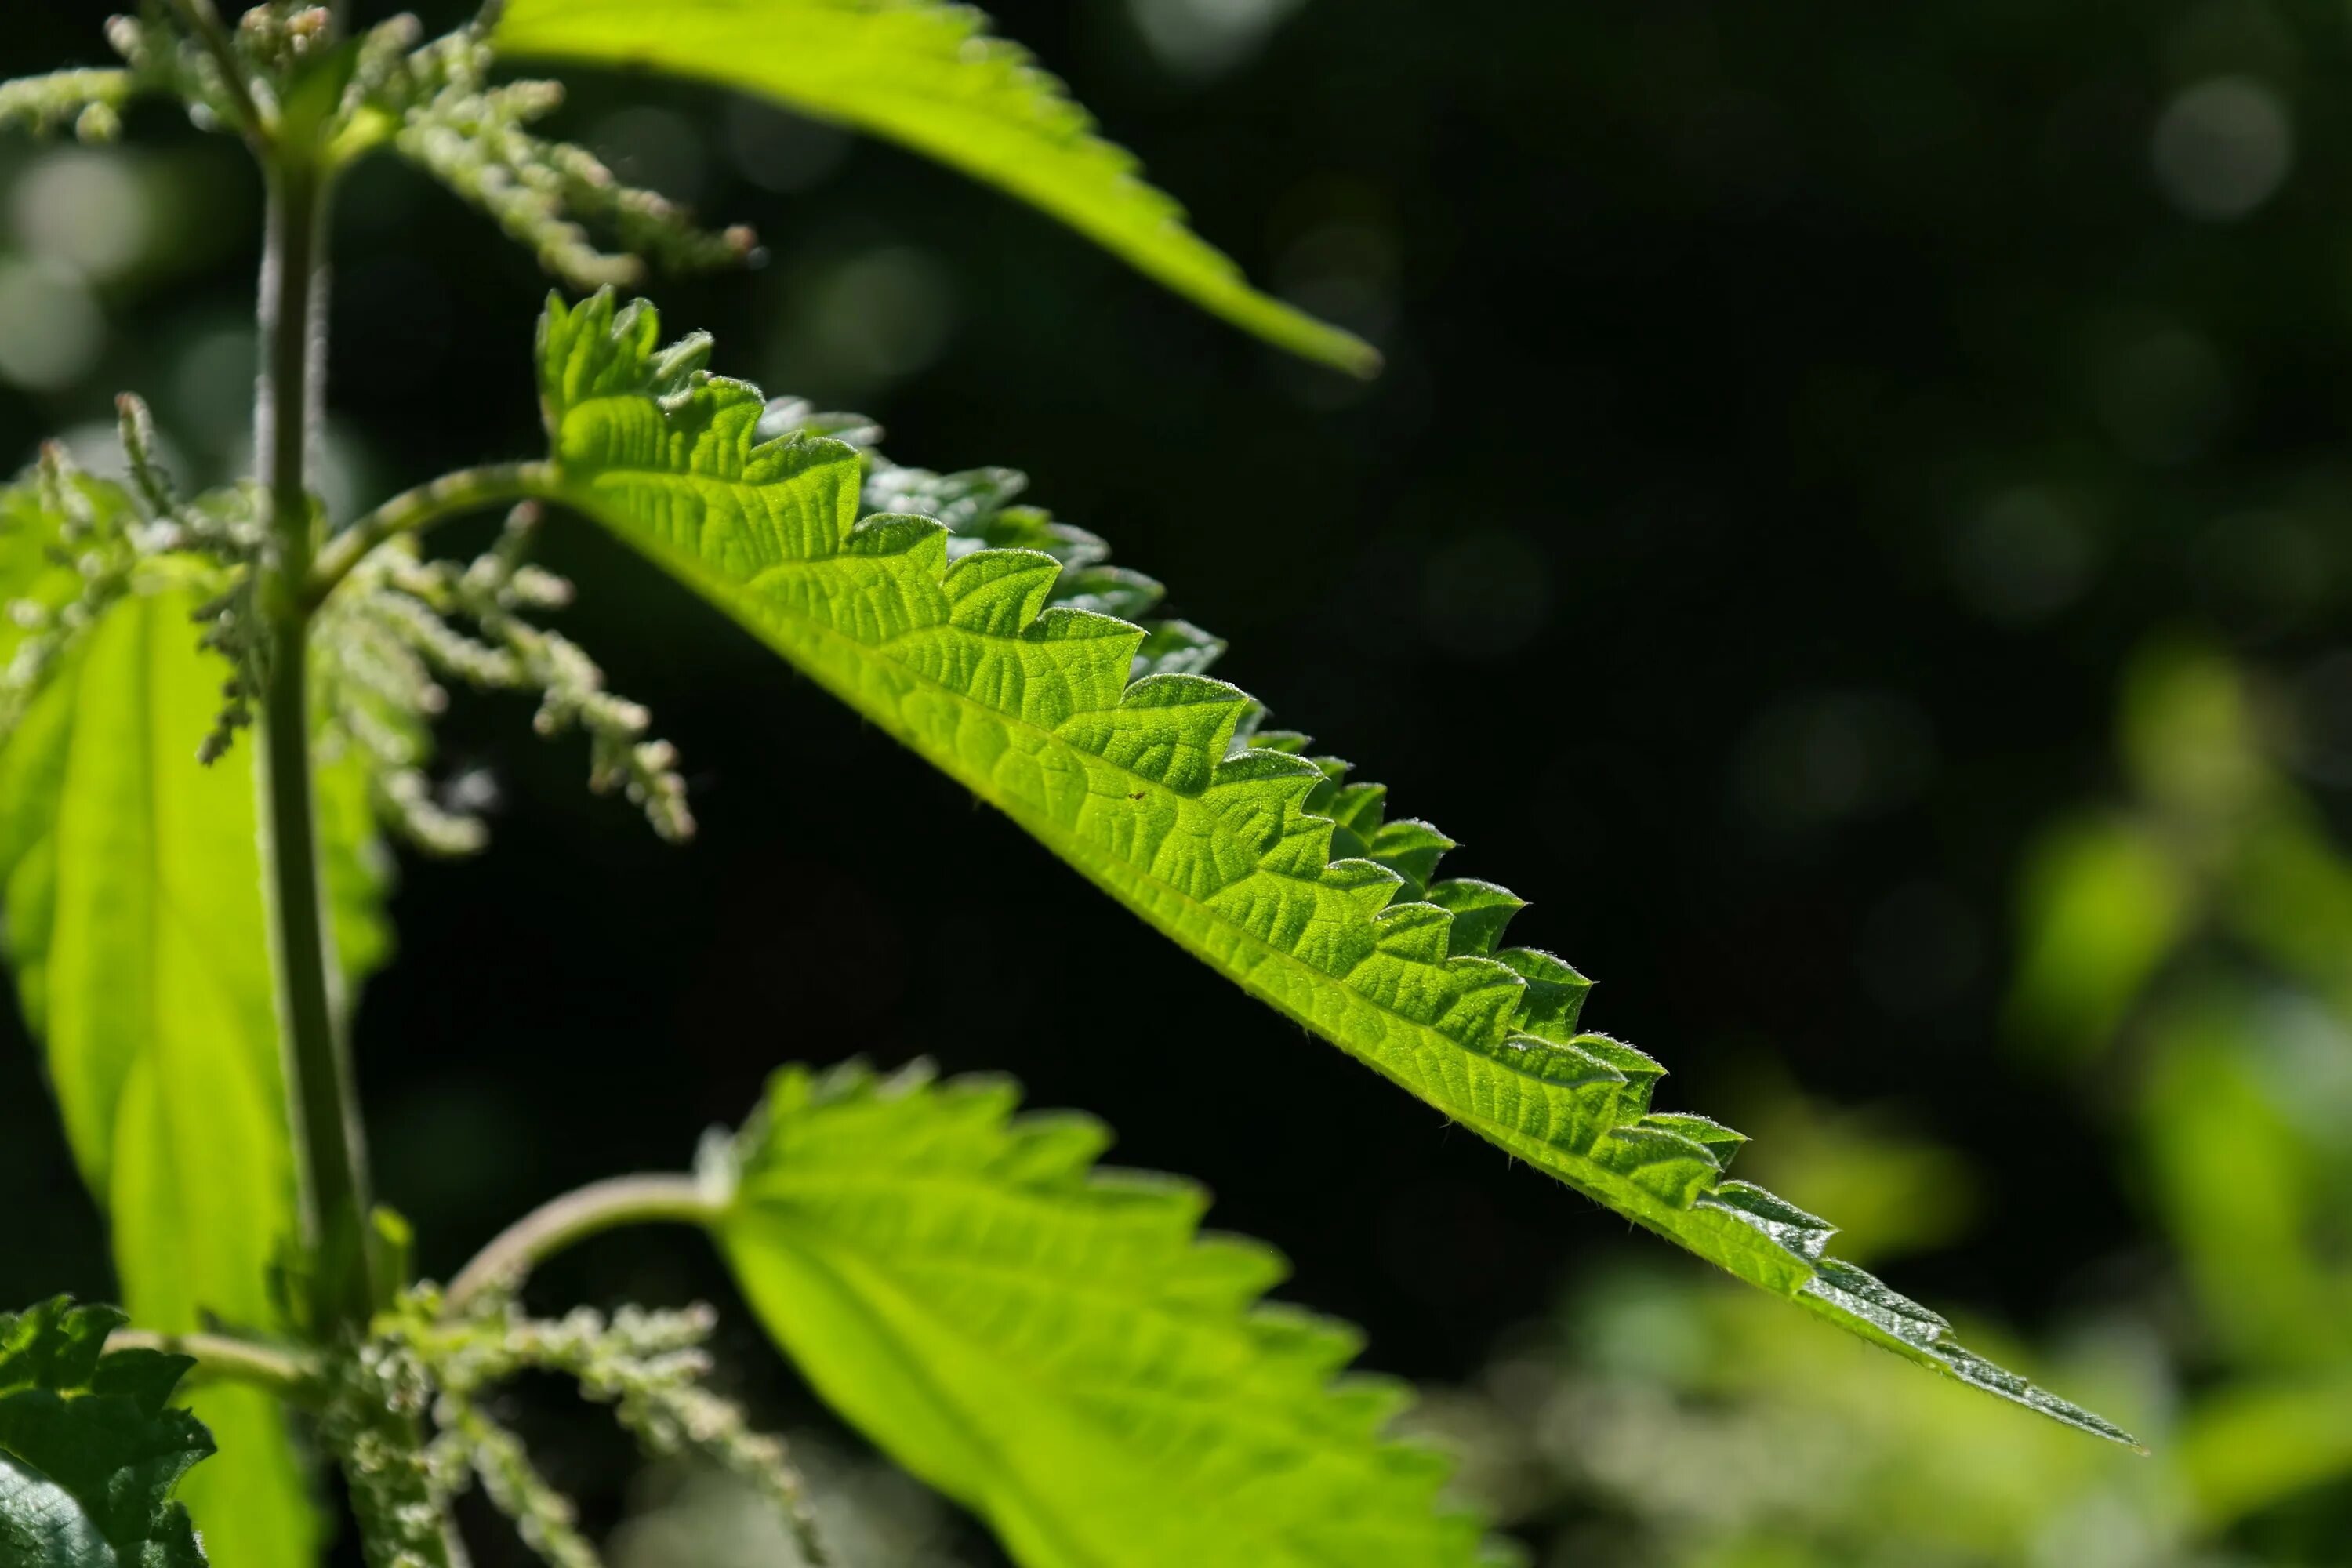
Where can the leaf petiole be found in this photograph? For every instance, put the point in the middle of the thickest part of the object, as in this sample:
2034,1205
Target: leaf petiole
289,1373
423,507
575,1216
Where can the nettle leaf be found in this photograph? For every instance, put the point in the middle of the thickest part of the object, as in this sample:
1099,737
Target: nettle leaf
131,881
1101,738
928,75
90,1446
1056,1346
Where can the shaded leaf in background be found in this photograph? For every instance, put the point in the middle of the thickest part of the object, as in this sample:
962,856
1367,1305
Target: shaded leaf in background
926,75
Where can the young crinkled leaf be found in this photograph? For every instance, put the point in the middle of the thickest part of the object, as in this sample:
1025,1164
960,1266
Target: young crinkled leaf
135,936
971,640
90,1449
925,74
1056,1346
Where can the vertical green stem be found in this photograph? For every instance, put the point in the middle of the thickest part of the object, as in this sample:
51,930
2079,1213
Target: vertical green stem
330,1158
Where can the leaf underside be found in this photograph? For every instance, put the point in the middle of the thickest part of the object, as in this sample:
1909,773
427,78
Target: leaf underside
90,1446
926,75
136,933
1057,1345
979,637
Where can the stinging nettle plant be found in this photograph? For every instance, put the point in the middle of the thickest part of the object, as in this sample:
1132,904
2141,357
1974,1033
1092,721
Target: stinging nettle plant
214,706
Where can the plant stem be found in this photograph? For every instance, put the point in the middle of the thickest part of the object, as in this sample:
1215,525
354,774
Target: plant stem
329,1158
413,511
575,1216
283,1372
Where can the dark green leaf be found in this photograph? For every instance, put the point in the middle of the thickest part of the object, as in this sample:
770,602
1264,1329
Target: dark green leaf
90,1448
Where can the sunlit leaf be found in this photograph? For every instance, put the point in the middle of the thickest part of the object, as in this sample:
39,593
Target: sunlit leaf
136,933
925,74
1056,1347
1099,737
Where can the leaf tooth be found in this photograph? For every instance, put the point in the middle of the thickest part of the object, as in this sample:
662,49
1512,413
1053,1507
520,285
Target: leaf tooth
634,329
1309,1344
1556,1062
676,372
1228,1271
1319,800
1641,1069
1065,542
1365,1404
1248,725
1355,809
1720,1142
1865,1296
1171,1204
786,415
1481,996
1415,932
1976,1370
1555,995
1258,795
1481,912
1410,848
1052,1148
997,592
1372,885
1581,1096
1093,653
1791,1228
1171,729
1176,648
1667,1165
1119,590
972,501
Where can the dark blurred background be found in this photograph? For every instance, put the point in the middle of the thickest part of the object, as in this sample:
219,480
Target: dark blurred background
1797,420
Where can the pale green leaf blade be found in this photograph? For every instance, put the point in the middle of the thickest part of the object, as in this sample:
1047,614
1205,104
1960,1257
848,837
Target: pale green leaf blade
90,1448
1056,1346
132,878
1100,738
925,74
135,929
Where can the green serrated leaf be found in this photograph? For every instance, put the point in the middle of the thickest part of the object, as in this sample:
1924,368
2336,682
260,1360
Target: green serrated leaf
1142,775
1055,1346
132,882
90,1450
925,74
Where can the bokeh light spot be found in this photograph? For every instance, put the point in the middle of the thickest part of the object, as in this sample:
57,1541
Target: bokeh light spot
51,332
2024,557
2223,148
83,208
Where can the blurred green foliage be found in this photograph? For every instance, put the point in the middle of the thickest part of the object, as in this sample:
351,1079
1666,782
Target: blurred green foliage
2185,962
